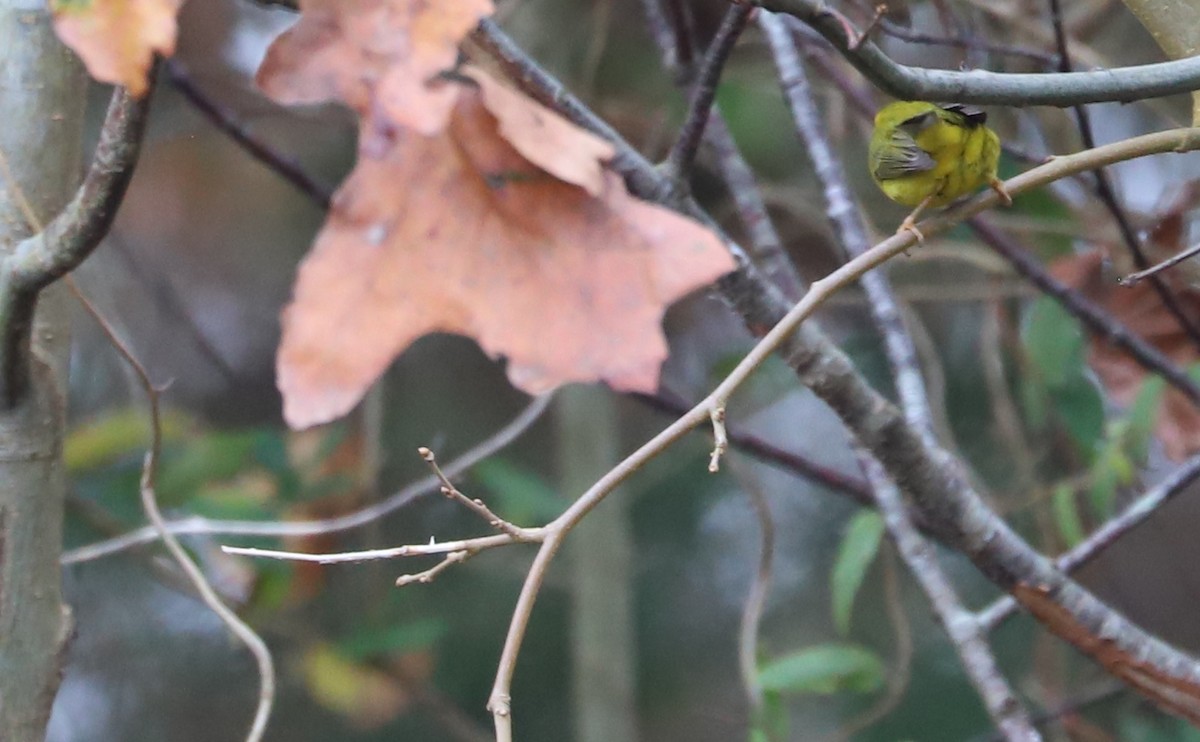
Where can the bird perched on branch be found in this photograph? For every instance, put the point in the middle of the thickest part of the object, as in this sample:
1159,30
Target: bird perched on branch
925,155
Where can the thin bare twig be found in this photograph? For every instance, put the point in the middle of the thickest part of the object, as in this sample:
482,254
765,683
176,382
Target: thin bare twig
295,529
428,576
1170,262
258,648
474,505
432,548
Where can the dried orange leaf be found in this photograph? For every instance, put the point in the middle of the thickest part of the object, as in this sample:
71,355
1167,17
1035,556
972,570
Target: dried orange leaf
460,233
117,39
381,57
545,138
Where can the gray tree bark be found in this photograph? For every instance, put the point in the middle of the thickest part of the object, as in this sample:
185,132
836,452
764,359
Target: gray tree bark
42,96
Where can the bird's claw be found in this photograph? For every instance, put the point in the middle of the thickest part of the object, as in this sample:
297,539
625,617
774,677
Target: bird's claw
998,186
909,225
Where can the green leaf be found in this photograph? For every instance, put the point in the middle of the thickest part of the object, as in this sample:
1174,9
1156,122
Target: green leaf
1143,414
1081,409
1066,515
205,460
824,669
856,553
1035,401
400,639
1106,478
523,496
1054,342
100,442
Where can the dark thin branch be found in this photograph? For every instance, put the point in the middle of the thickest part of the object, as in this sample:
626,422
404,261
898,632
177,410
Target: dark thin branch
1105,191
767,247
978,86
1094,318
964,42
228,122
704,91
1106,535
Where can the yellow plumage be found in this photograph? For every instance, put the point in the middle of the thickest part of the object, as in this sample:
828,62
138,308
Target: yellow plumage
925,155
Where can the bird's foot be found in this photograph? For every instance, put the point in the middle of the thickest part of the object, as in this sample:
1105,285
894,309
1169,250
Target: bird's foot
998,186
910,225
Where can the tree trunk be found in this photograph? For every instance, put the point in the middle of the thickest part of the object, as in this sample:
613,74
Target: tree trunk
603,670
42,96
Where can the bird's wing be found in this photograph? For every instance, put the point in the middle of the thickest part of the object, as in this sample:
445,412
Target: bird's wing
902,156
970,116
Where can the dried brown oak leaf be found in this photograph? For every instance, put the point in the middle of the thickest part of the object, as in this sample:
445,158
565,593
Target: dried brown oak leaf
460,232
117,39
383,58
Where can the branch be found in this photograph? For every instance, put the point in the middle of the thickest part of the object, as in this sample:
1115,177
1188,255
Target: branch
704,92
253,642
1171,262
60,246
978,86
968,639
1106,535
228,122
38,261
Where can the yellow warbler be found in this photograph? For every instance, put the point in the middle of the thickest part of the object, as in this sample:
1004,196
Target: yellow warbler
927,154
